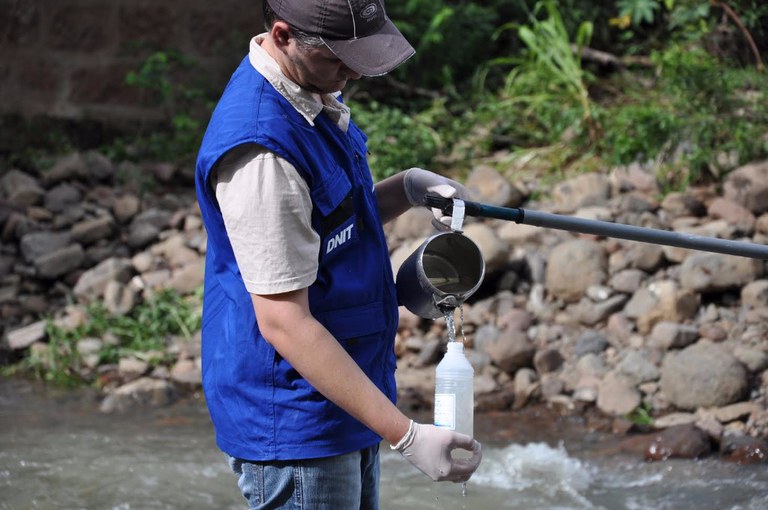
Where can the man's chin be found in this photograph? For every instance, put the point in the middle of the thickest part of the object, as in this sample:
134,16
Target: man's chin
329,88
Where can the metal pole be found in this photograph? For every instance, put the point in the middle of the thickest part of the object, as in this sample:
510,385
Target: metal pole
603,228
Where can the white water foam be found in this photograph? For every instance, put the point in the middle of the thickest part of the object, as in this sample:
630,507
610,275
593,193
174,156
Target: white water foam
536,467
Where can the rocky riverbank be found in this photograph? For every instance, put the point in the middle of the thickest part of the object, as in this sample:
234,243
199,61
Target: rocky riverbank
675,339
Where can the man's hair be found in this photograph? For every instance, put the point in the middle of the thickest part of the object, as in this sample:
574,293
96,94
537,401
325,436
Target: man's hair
303,39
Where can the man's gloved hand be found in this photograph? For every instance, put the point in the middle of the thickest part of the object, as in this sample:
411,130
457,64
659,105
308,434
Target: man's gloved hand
417,182
429,449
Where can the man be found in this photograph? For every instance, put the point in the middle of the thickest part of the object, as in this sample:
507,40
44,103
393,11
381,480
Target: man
300,309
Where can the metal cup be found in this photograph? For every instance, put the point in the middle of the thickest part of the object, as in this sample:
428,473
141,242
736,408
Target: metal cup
440,275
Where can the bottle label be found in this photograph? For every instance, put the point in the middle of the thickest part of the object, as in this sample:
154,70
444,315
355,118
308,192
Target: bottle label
445,410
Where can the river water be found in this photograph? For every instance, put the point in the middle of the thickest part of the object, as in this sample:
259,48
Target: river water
58,452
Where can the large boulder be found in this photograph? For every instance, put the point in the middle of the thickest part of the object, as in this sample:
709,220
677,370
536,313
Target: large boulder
703,375
748,186
573,267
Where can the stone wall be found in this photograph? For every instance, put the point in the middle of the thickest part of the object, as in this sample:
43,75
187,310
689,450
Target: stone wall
68,59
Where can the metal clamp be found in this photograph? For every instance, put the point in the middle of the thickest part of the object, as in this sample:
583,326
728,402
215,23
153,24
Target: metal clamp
457,215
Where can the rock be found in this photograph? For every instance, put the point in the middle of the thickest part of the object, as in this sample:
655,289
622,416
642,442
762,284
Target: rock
680,442
591,342
99,166
586,389
431,352
93,282
488,186
761,225
592,366
186,279
484,384
713,332
187,372
551,386
643,256
755,360
755,294
548,361
738,216
21,189
714,272
634,177
89,349
590,313
69,167
515,234
703,375
119,299
616,396
748,186
667,335
62,197
733,412
144,391
661,301
59,262
510,350
637,368
744,450
495,252
408,320
562,282
37,244
23,337
175,251
146,227
619,327
683,204
526,384
126,208
514,319
674,420
131,368
90,231
400,254
582,190
713,428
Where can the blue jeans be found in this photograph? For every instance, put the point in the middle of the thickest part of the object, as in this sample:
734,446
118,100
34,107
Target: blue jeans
343,482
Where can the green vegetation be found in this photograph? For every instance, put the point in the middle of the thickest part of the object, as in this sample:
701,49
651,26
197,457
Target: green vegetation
641,416
671,93
551,87
670,84
186,104
144,333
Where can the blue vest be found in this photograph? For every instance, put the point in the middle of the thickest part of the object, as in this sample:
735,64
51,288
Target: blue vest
261,408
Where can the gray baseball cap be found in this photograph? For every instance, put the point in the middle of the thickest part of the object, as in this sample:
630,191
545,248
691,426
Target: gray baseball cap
358,32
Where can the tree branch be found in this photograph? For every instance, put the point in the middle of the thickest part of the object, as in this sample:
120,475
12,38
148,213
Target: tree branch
736,19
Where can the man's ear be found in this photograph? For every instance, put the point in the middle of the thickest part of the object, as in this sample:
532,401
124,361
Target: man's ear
281,34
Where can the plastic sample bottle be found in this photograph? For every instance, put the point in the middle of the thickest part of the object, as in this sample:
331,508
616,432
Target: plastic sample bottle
454,393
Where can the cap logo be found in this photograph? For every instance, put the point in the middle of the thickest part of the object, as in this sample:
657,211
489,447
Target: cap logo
369,11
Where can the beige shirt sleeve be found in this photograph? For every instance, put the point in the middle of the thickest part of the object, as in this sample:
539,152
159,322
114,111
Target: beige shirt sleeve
267,212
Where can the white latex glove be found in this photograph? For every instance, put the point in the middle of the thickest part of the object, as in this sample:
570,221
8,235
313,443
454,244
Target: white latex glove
429,449
417,182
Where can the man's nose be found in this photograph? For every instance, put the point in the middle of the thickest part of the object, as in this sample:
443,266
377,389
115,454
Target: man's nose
351,75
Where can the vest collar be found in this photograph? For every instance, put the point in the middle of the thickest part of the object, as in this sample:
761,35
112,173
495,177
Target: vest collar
307,104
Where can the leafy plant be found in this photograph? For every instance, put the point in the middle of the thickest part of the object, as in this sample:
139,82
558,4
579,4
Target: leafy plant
554,65
450,37
396,140
638,131
641,416
146,329
185,107
640,11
